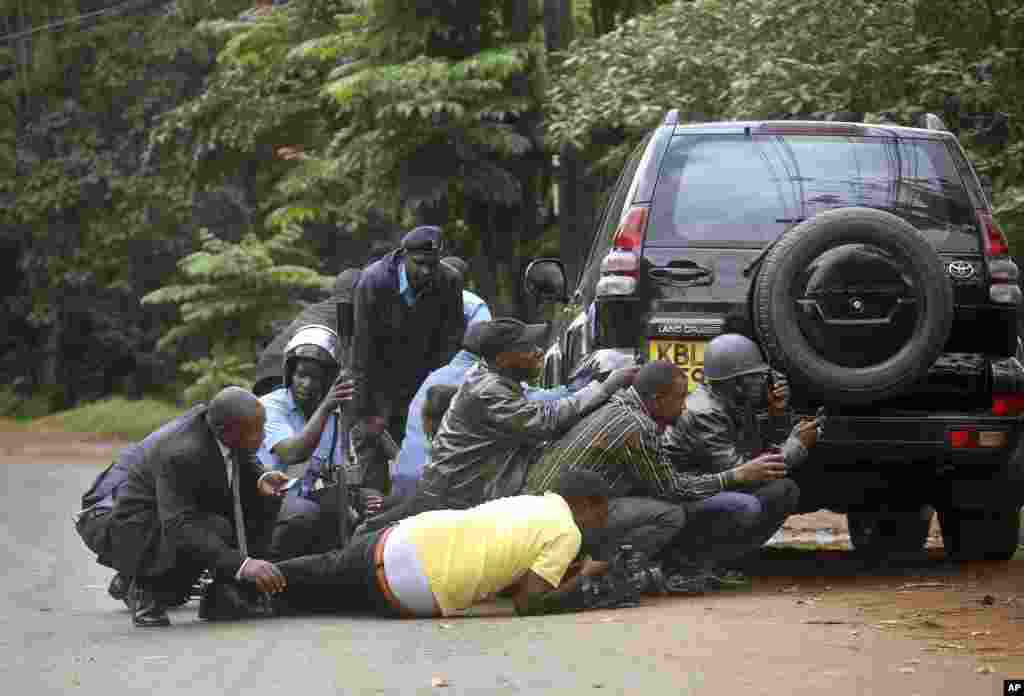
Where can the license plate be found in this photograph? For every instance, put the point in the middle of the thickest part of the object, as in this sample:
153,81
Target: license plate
689,355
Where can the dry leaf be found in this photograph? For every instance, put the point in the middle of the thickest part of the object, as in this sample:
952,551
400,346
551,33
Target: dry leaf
438,682
907,670
913,661
985,669
975,634
446,625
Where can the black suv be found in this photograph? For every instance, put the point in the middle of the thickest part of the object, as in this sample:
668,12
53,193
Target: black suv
865,261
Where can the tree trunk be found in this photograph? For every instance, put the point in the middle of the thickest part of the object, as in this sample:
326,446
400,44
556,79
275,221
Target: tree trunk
517,19
558,24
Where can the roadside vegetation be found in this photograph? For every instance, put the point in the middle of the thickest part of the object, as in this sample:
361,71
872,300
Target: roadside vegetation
180,181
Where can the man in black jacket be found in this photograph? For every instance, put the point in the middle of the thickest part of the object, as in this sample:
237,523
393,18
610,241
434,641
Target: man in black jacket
177,514
409,320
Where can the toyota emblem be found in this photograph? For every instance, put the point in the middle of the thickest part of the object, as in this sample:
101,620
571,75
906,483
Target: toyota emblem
961,270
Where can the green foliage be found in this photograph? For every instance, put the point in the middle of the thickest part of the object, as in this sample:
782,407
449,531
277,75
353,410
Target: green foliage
234,291
223,368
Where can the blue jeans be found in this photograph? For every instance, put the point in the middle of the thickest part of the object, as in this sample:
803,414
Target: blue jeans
732,524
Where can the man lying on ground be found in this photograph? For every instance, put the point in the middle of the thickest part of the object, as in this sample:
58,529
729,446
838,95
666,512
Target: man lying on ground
440,562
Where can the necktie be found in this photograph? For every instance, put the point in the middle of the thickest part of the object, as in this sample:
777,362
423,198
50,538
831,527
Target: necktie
237,496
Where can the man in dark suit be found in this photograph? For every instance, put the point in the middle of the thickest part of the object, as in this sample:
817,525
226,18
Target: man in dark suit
197,499
409,320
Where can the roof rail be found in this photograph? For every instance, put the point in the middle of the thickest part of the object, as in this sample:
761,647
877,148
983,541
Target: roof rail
931,122
672,117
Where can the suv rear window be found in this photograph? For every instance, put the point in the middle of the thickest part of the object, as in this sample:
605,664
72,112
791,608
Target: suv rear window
745,191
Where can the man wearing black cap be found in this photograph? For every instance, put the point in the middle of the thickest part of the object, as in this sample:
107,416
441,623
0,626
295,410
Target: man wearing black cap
492,431
441,562
408,321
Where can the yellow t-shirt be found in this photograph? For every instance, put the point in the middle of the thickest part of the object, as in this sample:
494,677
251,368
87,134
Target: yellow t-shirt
468,555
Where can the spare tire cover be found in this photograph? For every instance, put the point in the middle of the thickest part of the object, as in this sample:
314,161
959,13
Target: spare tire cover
854,304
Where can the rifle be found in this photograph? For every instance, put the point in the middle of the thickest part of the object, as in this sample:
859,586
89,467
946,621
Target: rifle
339,473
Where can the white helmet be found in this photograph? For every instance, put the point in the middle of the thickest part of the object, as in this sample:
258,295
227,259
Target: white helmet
312,342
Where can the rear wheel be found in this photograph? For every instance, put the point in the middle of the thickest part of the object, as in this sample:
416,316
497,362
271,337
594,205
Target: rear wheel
980,535
880,534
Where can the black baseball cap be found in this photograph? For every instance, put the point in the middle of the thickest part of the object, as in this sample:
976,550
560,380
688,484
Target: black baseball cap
424,240
506,334
581,483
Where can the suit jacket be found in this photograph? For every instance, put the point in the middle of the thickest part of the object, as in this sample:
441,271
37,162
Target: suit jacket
173,494
396,346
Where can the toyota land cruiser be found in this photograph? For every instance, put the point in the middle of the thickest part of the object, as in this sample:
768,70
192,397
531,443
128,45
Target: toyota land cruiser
866,260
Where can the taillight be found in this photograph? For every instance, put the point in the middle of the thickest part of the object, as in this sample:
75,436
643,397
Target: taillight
630,234
962,439
992,237
1007,404
621,267
1002,271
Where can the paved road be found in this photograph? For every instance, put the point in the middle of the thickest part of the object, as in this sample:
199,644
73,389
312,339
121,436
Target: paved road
62,634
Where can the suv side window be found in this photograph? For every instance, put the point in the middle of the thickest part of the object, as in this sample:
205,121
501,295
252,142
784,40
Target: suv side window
602,243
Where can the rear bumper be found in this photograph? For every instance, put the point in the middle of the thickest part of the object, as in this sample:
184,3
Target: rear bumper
865,461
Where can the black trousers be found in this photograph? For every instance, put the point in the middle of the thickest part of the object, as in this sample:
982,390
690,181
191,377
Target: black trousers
372,458
340,580
164,568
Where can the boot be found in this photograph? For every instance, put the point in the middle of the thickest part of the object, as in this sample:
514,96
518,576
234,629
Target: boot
147,609
118,588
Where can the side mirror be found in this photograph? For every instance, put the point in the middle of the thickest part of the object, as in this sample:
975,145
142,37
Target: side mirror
545,280
986,185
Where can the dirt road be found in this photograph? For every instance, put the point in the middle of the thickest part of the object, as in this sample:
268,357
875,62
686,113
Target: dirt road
815,621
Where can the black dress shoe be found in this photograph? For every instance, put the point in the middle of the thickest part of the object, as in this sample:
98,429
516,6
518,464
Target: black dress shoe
150,613
223,601
118,588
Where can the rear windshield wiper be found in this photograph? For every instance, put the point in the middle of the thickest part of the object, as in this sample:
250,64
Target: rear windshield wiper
752,266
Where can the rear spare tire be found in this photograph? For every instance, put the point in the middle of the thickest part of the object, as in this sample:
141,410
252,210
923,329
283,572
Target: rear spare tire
854,304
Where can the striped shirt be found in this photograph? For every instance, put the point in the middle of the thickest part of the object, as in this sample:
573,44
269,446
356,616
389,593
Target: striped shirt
621,442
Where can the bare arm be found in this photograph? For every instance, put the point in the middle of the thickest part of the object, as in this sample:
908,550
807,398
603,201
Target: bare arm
537,596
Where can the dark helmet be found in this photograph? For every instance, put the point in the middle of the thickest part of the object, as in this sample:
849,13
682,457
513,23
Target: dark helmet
732,355
311,342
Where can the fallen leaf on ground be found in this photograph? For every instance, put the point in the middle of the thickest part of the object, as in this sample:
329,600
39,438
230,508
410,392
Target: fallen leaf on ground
975,634
438,682
446,625
988,600
826,622
607,619
985,669
951,646
907,670
913,661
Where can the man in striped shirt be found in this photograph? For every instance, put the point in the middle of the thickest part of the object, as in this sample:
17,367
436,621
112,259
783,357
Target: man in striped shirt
622,442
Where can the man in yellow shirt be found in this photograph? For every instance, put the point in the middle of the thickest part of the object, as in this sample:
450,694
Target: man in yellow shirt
440,562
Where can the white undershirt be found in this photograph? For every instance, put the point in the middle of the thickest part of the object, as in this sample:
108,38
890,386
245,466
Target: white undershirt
406,578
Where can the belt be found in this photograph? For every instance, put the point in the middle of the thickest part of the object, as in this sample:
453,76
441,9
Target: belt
382,578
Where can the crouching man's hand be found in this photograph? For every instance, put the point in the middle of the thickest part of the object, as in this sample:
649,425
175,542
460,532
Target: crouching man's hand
767,467
274,483
265,575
